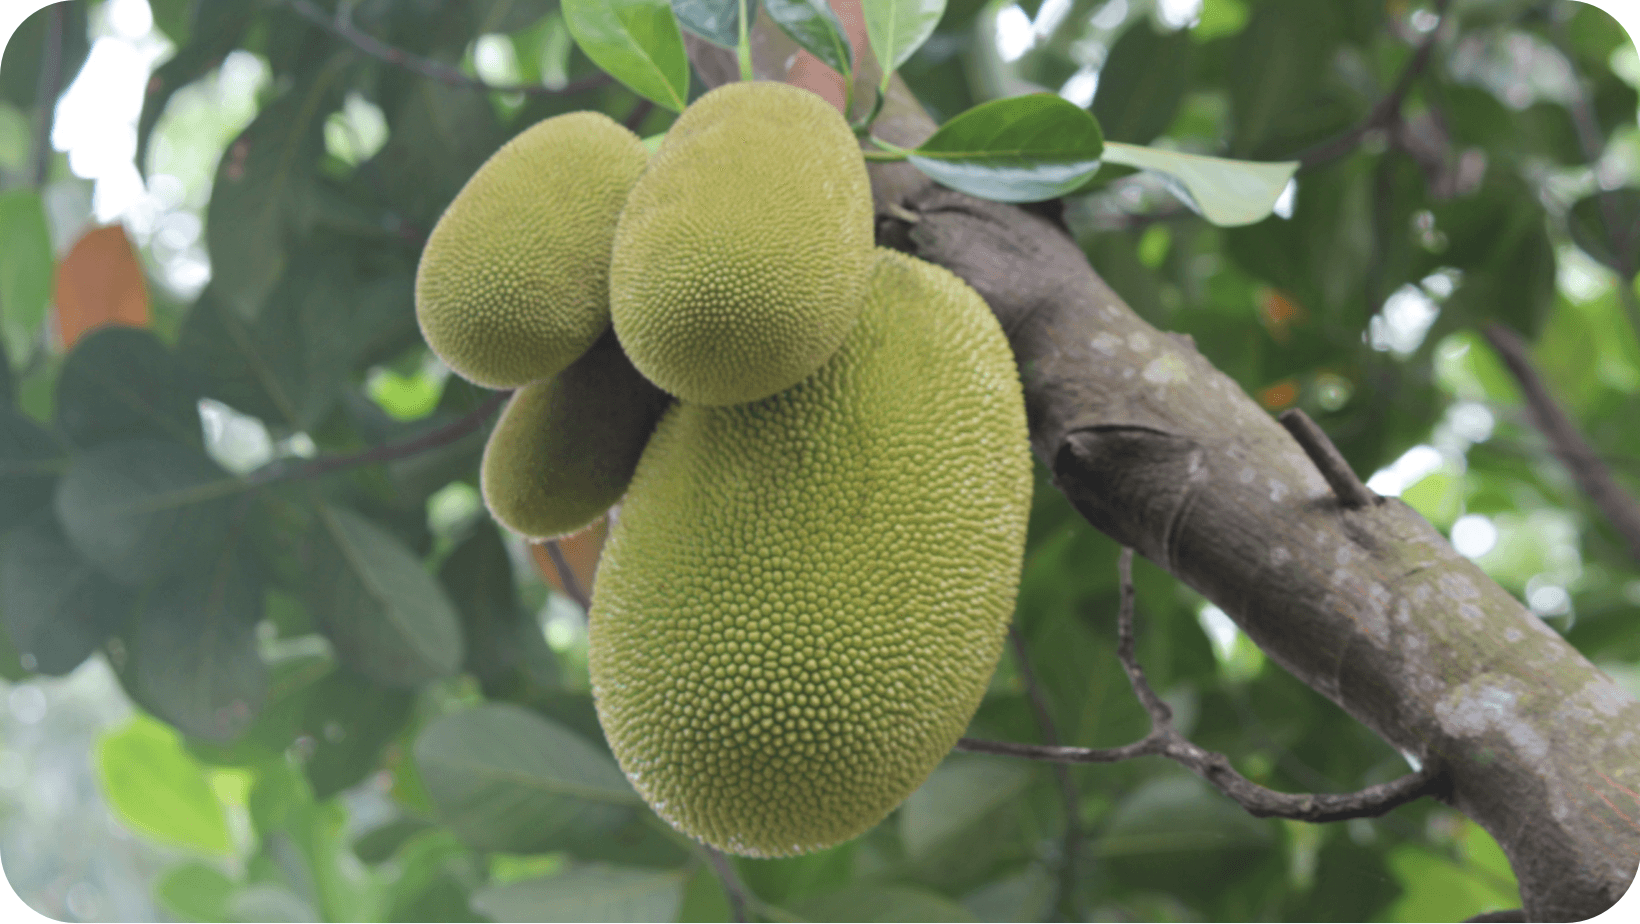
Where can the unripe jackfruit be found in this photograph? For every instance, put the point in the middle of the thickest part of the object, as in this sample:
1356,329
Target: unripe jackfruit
804,597
514,281
565,448
742,257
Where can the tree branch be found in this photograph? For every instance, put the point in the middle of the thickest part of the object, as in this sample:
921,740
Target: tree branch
1328,460
727,878
1066,899
1591,474
566,575
285,470
342,28
1386,111
1165,740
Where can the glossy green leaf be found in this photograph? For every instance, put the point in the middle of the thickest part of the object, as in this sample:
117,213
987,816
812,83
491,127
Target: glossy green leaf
57,608
25,266
30,461
883,903
1225,192
961,791
121,383
897,28
158,789
717,21
264,195
1606,225
586,893
190,654
1021,149
812,24
143,510
386,616
637,42
1142,82
507,779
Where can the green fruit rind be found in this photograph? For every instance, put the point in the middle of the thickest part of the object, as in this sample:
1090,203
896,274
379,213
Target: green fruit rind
513,284
742,257
565,448
804,598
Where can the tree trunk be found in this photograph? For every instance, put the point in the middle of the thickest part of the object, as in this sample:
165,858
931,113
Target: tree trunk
1370,606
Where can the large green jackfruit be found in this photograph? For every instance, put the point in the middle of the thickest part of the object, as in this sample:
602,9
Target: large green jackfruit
742,256
513,284
565,448
804,597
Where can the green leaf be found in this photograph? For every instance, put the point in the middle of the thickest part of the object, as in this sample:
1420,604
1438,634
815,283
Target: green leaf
897,28
382,842
142,510
121,383
1020,149
203,52
194,891
1142,83
883,903
57,608
190,654
1173,823
812,24
264,194
20,64
25,267
503,644
1606,225
386,616
504,778
350,719
158,789
595,892
1292,44
637,42
962,790
1225,192
30,460
717,21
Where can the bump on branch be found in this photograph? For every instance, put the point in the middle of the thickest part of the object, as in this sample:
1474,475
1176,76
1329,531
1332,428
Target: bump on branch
1165,740
1340,477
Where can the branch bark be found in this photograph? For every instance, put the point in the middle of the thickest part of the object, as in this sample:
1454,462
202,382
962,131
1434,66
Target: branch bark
1370,606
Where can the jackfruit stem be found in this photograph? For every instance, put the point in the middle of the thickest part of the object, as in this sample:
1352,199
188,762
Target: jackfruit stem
743,48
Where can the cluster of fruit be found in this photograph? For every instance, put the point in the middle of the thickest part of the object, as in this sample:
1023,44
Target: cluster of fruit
809,581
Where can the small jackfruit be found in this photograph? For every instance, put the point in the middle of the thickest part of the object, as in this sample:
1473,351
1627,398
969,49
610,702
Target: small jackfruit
742,256
804,597
565,448
513,284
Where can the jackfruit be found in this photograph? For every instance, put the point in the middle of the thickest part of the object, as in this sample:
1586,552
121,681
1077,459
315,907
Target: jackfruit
565,447
803,598
513,283
742,257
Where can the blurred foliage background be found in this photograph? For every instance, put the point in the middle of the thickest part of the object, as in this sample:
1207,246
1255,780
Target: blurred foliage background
239,503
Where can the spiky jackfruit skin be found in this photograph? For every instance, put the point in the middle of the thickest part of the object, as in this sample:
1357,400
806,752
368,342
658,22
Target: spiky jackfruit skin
804,597
742,256
513,283
565,448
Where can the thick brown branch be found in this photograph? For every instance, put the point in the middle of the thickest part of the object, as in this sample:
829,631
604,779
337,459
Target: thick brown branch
1567,442
284,470
341,28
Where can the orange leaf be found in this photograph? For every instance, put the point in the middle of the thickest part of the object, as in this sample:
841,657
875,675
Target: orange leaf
580,549
100,282
1280,395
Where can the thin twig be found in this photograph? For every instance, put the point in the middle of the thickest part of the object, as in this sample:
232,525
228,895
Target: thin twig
1346,485
45,93
566,575
1165,740
1387,110
1587,469
1066,901
284,470
341,28
730,882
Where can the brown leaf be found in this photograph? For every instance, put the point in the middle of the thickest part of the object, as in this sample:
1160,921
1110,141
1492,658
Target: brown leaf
581,550
100,282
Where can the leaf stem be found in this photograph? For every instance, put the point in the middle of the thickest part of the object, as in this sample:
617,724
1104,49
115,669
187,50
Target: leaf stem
743,49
